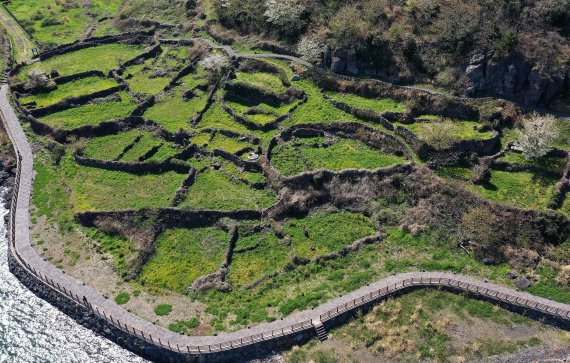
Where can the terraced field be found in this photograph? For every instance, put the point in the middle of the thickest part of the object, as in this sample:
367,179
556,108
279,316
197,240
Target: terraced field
213,204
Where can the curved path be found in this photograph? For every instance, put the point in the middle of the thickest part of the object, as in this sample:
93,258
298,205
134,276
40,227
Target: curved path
304,323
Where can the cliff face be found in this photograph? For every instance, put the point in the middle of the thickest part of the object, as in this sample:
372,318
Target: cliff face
7,161
514,78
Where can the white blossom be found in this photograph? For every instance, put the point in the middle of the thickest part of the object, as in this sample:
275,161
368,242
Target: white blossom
537,135
285,14
309,49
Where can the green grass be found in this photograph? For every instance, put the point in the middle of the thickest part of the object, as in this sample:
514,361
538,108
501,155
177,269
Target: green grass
109,147
182,256
173,113
563,140
316,109
518,189
290,159
523,190
262,80
228,144
375,104
324,234
102,58
81,87
460,130
163,309
270,256
60,22
553,163
98,189
91,114
184,326
122,298
213,190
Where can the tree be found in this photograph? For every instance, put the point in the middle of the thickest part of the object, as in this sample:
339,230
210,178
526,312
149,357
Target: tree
285,15
537,135
216,65
309,49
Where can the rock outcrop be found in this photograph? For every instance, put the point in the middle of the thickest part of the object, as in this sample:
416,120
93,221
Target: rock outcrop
514,78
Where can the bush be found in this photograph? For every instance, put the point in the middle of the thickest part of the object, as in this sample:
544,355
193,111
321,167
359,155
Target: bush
163,309
537,135
122,298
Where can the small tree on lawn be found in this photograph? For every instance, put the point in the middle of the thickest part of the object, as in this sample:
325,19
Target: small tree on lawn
309,49
537,135
216,65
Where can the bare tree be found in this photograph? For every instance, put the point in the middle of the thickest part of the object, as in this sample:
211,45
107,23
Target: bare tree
537,135
440,134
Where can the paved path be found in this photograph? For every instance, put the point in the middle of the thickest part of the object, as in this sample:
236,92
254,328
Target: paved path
20,245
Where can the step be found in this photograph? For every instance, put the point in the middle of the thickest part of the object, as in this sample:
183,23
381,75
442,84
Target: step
321,331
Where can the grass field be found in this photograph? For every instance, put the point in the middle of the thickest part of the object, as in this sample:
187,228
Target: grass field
459,130
430,325
213,190
262,80
311,154
519,189
92,114
81,87
173,112
375,104
97,189
552,163
320,234
102,58
183,255
57,22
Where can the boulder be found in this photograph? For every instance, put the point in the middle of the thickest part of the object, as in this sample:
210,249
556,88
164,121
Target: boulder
522,283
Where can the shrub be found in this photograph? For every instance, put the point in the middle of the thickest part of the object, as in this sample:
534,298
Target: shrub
122,298
309,49
163,309
285,15
537,135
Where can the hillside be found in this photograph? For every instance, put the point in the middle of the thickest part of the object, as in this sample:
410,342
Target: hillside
190,167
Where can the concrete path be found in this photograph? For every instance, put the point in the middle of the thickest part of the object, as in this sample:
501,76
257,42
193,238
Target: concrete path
20,246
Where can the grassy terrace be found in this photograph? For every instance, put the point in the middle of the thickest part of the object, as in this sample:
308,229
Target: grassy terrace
173,112
266,280
308,154
81,87
459,130
262,80
520,189
59,22
552,163
218,191
183,255
375,104
94,58
92,114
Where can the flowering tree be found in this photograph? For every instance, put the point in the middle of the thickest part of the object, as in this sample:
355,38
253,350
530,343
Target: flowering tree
537,135
309,49
285,15
216,65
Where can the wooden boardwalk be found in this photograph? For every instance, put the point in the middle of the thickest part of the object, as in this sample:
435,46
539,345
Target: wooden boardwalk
26,256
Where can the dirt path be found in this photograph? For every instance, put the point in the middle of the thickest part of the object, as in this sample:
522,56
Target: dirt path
22,45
